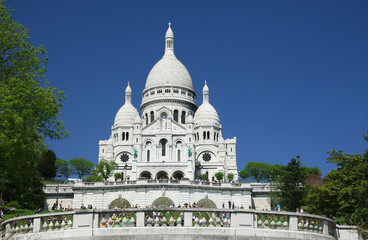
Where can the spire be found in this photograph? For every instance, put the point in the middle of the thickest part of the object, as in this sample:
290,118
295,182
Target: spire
169,40
128,94
206,93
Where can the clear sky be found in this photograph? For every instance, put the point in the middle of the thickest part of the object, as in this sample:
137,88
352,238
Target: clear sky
285,77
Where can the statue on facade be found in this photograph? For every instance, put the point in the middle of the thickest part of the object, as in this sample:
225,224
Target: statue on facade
189,151
135,154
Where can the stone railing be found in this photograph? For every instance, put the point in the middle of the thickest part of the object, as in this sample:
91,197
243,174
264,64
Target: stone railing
161,181
37,223
275,225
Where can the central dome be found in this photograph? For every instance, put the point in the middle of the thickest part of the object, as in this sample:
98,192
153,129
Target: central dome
169,70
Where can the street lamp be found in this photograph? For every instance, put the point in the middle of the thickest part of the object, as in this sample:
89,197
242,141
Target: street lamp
270,178
298,156
57,191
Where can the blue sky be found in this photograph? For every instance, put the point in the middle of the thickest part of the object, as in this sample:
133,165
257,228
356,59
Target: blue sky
286,77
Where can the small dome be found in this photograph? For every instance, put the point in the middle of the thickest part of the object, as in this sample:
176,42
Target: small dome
206,114
126,115
137,120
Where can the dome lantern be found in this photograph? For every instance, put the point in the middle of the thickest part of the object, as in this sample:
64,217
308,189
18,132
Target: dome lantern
169,40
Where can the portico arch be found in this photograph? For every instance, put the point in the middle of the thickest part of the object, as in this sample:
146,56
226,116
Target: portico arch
163,202
146,175
120,203
206,203
178,175
162,175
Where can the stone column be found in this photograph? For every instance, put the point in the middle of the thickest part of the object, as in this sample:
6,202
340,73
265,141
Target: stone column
188,219
37,225
325,227
140,219
293,223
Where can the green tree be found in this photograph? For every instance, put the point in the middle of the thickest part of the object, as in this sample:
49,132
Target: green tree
93,178
29,110
258,171
230,177
105,168
219,176
339,194
291,186
204,177
47,166
62,167
81,166
118,176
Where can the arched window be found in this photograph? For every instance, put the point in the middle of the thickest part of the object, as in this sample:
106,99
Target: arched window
127,136
197,136
214,137
208,135
146,119
152,116
176,115
163,147
123,136
117,136
178,155
204,135
217,137
183,117
148,155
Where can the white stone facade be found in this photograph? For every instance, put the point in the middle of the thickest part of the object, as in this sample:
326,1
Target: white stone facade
174,138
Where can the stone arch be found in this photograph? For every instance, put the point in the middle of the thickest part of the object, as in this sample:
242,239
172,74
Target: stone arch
120,203
145,174
163,202
206,203
178,175
162,175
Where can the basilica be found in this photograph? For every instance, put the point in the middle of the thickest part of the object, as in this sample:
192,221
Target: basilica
173,138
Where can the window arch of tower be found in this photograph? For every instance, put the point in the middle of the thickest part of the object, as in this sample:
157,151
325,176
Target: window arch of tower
206,135
176,115
152,115
146,116
124,136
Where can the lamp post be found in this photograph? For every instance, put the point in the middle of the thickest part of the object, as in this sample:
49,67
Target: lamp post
270,178
57,190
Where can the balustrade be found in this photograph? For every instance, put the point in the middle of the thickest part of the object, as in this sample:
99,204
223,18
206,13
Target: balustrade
273,221
169,217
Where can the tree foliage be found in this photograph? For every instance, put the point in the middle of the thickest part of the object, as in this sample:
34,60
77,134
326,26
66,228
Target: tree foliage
204,177
291,185
105,168
219,176
47,166
342,188
81,166
118,176
29,109
93,178
62,167
230,176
